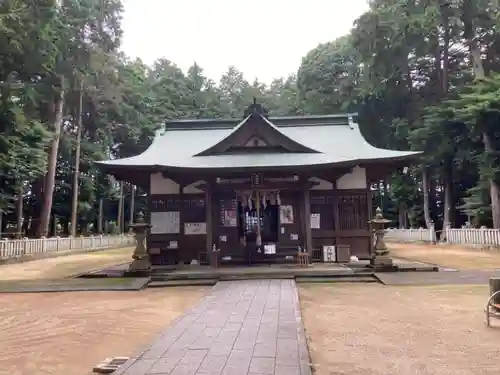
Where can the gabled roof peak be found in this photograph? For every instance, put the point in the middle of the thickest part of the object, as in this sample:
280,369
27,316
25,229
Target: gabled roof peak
255,131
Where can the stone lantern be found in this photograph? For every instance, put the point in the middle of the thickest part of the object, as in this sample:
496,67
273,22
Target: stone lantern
381,258
141,261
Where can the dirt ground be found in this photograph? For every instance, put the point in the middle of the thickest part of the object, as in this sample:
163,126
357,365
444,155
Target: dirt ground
65,266
69,333
379,330
448,256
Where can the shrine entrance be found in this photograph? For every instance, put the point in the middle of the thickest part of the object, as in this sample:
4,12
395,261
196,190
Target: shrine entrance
258,223
259,220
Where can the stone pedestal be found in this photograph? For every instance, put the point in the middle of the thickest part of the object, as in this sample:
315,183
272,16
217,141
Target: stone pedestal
381,258
141,260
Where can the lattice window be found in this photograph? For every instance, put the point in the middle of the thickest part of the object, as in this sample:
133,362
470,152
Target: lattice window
323,205
194,210
353,211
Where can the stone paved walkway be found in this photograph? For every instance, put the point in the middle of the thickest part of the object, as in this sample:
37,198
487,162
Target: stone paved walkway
239,328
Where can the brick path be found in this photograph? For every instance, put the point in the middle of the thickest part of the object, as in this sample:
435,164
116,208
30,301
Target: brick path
239,328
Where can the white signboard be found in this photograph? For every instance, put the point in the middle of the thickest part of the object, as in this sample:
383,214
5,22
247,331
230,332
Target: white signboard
195,228
270,249
315,221
329,254
165,222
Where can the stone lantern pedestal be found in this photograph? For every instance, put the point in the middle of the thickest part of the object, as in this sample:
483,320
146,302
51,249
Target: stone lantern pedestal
141,260
381,258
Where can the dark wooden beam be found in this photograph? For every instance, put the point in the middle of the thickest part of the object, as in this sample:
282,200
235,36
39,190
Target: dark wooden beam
285,185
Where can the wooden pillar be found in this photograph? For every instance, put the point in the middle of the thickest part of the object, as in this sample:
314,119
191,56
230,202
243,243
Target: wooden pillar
307,222
120,209
208,219
369,198
336,215
132,206
100,219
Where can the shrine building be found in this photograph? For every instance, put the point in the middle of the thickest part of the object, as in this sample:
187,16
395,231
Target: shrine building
258,189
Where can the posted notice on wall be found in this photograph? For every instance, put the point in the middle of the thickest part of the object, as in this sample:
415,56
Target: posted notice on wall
195,228
165,222
315,221
270,249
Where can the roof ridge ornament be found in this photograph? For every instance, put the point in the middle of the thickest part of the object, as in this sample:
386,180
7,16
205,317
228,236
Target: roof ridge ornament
256,109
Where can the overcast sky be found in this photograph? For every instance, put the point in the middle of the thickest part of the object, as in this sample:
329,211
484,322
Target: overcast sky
262,38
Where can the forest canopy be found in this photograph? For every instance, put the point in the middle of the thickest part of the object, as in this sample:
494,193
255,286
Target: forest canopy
423,75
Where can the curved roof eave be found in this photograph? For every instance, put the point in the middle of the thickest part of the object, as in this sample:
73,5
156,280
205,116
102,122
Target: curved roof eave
111,165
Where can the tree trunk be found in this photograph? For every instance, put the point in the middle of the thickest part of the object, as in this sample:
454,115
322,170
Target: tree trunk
403,216
425,189
76,176
468,9
20,213
446,47
448,201
43,226
494,188
449,206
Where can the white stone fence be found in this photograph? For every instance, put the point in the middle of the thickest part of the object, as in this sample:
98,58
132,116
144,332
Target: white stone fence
411,235
27,247
476,237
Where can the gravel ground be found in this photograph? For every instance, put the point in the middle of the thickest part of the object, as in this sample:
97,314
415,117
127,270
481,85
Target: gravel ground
69,333
65,266
385,330
448,256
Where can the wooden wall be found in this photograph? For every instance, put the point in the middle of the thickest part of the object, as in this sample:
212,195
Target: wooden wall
344,214
177,247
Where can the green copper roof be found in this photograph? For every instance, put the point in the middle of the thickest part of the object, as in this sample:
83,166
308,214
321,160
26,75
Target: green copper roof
333,139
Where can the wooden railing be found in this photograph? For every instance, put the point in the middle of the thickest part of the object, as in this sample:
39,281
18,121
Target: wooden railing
26,247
